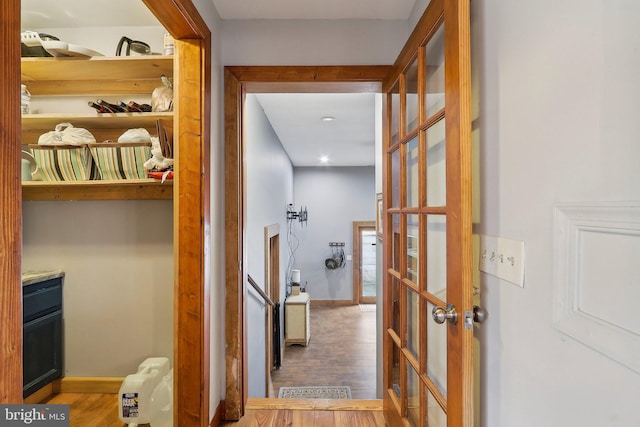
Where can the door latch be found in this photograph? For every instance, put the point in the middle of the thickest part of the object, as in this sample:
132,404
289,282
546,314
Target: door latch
478,315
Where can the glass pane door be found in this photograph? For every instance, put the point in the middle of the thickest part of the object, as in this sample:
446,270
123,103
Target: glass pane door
428,353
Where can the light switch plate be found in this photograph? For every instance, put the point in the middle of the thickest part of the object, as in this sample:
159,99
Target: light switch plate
502,258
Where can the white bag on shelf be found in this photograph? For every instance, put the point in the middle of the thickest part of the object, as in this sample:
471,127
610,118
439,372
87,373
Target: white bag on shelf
66,134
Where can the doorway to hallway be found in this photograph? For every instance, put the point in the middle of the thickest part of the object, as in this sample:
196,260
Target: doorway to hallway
364,262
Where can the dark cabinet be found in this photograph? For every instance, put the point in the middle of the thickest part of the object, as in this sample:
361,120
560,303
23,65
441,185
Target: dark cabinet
42,334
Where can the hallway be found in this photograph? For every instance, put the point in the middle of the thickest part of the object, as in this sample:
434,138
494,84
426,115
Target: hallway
341,352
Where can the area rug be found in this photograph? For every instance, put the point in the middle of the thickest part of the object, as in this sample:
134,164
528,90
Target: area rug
329,392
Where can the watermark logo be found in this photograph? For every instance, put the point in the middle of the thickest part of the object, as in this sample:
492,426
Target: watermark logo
34,415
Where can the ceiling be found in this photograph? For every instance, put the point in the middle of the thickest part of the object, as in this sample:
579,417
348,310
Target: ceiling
346,141
296,118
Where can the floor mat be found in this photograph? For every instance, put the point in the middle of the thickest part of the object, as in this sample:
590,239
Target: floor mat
329,392
367,307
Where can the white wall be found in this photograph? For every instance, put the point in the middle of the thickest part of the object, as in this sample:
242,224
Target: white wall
118,287
312,42
556,107
334,197
269,189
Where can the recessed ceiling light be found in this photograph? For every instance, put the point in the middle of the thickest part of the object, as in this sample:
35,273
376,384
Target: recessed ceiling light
324,159
328,118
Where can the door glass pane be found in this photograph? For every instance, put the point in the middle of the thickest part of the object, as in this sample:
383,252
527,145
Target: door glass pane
395,179
436,165
437,255
395,113
395,305
435,415
435,73
412,173
413,396
395,369
411,97
436,352
368,263
396,249
412,248
413,323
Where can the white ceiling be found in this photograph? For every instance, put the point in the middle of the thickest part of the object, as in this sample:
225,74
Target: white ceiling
347,141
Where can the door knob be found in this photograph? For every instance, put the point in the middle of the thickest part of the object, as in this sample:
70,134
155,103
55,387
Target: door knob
440,314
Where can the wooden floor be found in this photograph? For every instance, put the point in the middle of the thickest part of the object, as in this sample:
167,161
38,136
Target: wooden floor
311,413
342,351
90,410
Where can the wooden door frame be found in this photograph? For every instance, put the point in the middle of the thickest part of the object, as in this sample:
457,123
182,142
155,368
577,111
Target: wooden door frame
358,226
272,289
191,208
238,81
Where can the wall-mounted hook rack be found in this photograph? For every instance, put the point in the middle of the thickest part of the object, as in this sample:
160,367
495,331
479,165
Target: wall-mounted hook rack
336,244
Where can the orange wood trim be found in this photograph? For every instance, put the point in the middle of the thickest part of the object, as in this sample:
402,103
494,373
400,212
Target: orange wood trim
101,385
459,199
39,395
217,417
180,18
312,74
234,226
191,307
11,219
192,82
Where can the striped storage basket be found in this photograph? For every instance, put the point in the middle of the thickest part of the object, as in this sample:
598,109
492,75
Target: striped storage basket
121,160
64,162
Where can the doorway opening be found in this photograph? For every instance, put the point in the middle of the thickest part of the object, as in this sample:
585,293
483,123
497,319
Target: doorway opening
238,82
273,352
364,262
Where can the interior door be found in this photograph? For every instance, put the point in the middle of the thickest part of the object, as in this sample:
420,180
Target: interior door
364,262
428,308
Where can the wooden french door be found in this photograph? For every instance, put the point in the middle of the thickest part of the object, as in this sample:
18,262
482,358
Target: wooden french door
428,307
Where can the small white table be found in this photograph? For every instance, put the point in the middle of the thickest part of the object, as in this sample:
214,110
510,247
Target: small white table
297,330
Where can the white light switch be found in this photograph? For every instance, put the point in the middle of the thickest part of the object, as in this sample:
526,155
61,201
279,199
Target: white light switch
503,258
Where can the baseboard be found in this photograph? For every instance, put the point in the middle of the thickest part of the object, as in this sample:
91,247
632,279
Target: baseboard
39,395
217,417
332,302
102,385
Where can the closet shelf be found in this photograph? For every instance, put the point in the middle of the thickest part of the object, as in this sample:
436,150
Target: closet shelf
93,120
95,75
144,189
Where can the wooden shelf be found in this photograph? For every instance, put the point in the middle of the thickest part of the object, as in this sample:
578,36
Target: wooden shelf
95,76
93,120
144,189
98,75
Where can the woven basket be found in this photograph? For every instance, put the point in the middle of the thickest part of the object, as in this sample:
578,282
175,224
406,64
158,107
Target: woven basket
121,160
64,162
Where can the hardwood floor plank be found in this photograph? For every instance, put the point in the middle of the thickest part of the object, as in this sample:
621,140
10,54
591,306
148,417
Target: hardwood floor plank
334,359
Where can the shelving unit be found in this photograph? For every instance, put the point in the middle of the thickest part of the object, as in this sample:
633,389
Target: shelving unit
94,77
